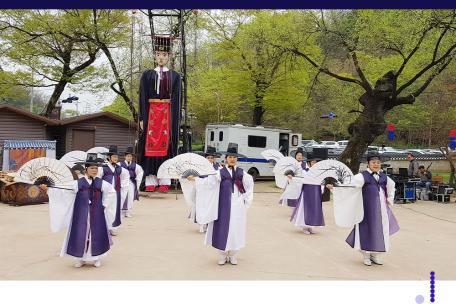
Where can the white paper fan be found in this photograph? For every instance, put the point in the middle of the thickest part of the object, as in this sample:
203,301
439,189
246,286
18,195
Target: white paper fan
288,165
281,180
272,154
71,158
328,168
185,165
164,169
99,151
44,170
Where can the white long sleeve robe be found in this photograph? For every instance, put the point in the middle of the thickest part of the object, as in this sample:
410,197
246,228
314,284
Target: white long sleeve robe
61,204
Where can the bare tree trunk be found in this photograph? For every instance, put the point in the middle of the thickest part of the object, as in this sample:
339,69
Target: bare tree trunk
258,108
369,124
258,112
58,90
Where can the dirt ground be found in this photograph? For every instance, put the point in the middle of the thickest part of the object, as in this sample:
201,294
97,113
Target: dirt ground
160,243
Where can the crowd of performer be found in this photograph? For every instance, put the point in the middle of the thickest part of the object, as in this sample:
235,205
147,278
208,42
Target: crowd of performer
93,207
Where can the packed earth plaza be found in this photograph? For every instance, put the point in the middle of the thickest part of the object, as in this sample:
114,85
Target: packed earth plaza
159,243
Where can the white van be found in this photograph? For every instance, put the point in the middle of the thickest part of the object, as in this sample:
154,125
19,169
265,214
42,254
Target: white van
251,142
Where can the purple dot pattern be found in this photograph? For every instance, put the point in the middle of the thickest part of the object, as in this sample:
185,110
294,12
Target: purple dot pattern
419,299
432,279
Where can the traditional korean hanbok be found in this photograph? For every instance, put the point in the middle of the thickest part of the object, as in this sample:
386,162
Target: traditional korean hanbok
119,178
87,210
367,208
227,232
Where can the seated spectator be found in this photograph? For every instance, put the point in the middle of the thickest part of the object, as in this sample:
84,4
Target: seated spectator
426,178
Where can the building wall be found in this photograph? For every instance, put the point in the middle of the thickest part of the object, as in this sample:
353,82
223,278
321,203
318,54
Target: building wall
107,132
57,133
19,127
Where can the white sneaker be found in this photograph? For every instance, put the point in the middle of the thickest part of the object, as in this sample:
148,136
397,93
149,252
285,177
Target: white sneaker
306,231
376,259
128,214
201,230
233,260
222,260
113,232
78,264
367,261
311,230
97,263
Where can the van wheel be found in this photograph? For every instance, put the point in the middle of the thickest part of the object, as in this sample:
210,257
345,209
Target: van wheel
254,173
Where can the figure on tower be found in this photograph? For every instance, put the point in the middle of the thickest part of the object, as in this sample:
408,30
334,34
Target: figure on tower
159,115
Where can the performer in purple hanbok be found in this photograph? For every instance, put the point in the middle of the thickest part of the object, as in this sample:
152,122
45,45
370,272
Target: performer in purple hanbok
226,232
368,208
308,211
119,178
86,207
136,175
299,156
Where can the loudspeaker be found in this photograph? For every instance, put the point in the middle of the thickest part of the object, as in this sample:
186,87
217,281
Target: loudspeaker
321,153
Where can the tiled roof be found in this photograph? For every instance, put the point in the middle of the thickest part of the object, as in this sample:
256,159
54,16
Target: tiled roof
29,144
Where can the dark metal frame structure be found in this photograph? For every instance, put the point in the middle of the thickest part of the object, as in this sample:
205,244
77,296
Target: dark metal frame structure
179,31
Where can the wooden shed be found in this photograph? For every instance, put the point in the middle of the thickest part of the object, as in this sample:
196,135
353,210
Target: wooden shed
76,133
100,129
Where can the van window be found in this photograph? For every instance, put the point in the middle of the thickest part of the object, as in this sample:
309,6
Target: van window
221,136
257,141
294,140
212,135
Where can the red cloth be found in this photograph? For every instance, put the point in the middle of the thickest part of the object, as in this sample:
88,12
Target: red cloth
158,129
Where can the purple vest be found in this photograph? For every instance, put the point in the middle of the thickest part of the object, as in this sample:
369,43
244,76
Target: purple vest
98,232
108,176
131,169
222,224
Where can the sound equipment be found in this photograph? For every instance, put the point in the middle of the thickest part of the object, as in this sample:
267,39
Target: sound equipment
321,153
443,198
403,172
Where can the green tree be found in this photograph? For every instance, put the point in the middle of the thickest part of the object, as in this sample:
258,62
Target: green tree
244,50
119,107
45,43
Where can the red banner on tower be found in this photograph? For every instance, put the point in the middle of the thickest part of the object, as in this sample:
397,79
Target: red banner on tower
158,128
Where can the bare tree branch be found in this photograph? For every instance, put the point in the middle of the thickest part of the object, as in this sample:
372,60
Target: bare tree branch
431,78
432,64
412,52
321,69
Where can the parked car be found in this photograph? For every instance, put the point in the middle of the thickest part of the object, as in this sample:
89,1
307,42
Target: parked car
330,144
343,143
308,142
416,151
